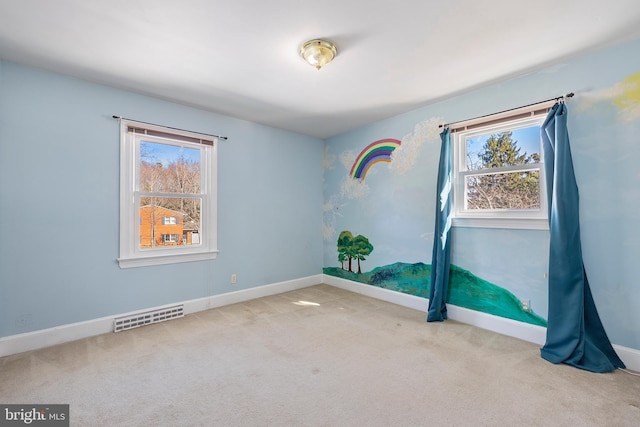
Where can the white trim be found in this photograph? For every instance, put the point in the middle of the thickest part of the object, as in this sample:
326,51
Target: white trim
14,344
20,343
166,259
629,356
501,325
405,300
535,219
214,301
515,223
131,255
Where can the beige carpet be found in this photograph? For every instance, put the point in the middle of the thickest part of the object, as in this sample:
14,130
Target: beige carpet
344,360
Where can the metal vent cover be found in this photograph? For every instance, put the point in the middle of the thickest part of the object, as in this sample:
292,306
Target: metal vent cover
147,318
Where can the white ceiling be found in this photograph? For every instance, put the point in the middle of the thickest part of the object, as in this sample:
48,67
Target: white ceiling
240,57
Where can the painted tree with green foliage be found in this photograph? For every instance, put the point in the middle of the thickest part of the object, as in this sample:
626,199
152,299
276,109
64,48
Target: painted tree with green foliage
342,257
350,247
362,249
345,250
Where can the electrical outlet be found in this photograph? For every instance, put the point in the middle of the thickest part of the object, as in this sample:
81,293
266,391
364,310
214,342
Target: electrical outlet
234,279
526,304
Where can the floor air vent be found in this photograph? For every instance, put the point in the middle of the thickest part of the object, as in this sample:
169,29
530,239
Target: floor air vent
147,318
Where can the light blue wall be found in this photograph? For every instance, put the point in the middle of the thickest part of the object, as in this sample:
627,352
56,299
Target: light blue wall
59,160
59,204
397,214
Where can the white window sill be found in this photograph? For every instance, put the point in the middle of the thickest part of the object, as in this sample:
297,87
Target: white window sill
509,223
165,259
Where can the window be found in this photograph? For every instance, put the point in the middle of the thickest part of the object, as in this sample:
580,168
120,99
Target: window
169,238
169,220
499,171
167,190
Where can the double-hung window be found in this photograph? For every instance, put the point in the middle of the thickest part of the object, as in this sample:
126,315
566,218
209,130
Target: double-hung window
169,220
170,238
168,211
498,172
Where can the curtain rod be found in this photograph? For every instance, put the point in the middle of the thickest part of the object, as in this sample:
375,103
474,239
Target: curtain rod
557,98
169,127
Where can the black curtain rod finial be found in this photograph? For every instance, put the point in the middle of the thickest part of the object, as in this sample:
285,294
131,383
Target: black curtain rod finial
563,97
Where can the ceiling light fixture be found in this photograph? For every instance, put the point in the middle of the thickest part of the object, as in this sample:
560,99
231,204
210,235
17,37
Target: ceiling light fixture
318,52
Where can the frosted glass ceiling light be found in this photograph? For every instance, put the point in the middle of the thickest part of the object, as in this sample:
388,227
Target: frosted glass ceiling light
318,52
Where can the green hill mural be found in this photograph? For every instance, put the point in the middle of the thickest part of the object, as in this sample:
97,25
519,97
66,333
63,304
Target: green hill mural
465,289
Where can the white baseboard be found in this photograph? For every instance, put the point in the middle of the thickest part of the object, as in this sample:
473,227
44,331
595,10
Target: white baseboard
60,334
214,301
501,325
405,300
629,356
20,343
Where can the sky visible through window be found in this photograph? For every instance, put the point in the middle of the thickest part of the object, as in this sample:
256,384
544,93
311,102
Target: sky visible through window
528,139
165,154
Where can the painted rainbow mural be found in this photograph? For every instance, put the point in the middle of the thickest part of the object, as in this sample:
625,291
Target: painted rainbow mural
376,152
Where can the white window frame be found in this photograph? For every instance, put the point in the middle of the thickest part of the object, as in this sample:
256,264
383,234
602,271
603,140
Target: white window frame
173,238
535,219
169,220
131,255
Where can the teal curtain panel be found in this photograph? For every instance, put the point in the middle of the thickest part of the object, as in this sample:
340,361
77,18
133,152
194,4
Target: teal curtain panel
441,257
575,334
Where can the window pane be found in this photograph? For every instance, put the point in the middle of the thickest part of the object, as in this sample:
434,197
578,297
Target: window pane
513,147
169,168
169,221
513,190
